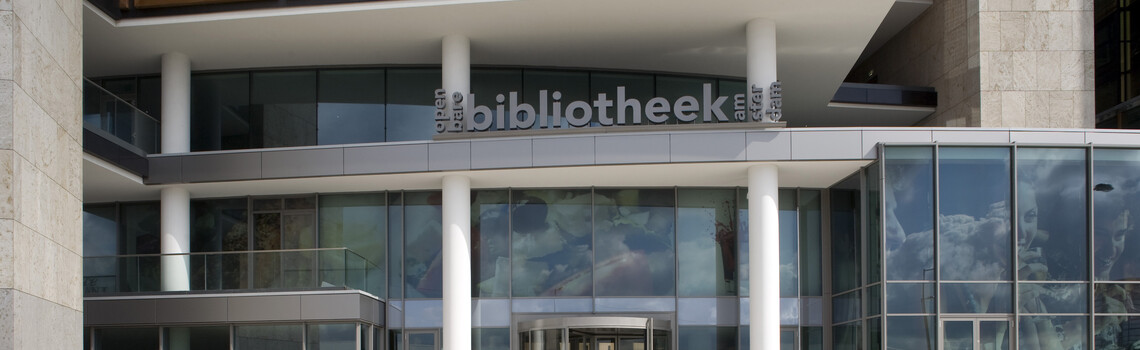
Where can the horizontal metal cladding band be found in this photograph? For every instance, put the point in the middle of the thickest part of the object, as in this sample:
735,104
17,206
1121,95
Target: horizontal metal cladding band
457,110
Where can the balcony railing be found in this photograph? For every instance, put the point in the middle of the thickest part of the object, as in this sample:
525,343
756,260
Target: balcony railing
112,115
263,270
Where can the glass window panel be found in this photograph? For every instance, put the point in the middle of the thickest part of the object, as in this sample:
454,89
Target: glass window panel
958,335
1116,298
1053,332
639,87
139,228
874,300
673,88
1116,332
974,191
574,86
789,245
358,222
707,337
150,96
127,338
396,245
196,338
411,103
875,333
874,225
488,84
741,257
912,332
219,112
283,109
976,298
490,228
634,304
350,106
706,242
551,243
258,337
811,260
263,204
1052,229
491,339
1039,298
846,307
994,334
845,243
218,225
847,337
729,89
331,336
423,313
908,226
634,234
491,313
395,339
910,298
100,238
1115,195
812,338
423,274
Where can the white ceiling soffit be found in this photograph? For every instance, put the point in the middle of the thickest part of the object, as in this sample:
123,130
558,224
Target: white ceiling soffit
818,41
902,13
103,184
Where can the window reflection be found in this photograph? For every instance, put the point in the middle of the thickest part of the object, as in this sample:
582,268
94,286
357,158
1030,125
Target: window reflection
912,332
706,242
423,232
633,231
1052,332
491,247
1051,229
551,243
1115,195
909,216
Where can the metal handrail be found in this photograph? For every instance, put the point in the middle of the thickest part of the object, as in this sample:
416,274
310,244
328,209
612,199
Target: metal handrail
120,99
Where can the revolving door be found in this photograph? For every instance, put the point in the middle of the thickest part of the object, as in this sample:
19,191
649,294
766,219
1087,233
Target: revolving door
595,333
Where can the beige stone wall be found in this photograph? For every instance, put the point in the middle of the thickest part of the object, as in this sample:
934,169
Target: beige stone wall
996,63
41,233
1037,63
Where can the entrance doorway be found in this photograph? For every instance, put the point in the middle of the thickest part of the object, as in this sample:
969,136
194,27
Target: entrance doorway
976,334
595,333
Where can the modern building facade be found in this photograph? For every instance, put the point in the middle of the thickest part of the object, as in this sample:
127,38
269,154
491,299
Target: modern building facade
527,175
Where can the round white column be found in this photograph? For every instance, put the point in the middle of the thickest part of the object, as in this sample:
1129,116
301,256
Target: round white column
175,238
456,64
456,263
175,103
761,42
764,257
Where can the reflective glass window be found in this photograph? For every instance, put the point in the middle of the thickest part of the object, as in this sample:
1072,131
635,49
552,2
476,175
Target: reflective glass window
1111,332
219,225
350,106
707,242
196,338
100,238
845,239
874,225
789,246
573,86
811,248
976,298
707,337
910,298
1051,214
1053,332
639,87
150,96
847,336
912,332
674,88
139,234
256,337
908,226
552,243
846,307
219,112
283,109
729,89
633,238
411,103
340,336
875,333
490,235
974,190
491,339
144,338
423,245
1115,194
396,245
1113,298
488,84
812,338
357,222
1063,298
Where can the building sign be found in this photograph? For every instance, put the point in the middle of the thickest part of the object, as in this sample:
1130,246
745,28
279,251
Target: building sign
458,113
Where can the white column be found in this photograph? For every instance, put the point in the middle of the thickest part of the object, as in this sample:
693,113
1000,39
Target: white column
764,257
456,263
175,238
175,103
761,38
457,66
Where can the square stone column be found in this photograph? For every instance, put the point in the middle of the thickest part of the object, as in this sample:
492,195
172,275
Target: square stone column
41,160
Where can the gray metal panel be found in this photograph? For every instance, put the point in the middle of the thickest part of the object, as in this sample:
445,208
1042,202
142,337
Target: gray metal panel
113,312
965,136
191,310
300,163
385,159
265,308
164,170
330,307
449,156
371,310
221,167
838,144
768,145
500,154
874,137
1047,137
563,151
711,147
631,149
1111,138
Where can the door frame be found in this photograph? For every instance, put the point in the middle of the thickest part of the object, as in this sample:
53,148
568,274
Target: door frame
977,320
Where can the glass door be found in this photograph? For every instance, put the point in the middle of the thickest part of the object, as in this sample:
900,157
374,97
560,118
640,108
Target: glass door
975,334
